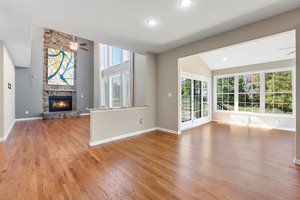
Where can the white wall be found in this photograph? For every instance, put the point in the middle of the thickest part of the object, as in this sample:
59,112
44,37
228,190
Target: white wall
1,89
7,98
194,65
106,125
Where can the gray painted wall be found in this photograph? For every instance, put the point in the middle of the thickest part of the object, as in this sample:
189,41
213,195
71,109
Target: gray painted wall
85,77
167,73
29,86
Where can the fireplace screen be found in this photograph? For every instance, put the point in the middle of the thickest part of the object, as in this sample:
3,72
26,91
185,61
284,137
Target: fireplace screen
60,103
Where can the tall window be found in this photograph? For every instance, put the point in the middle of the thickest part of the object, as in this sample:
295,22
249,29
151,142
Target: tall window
279,92
249,92
260,92
116,76
225,93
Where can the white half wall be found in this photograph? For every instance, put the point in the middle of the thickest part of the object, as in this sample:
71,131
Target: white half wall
112,124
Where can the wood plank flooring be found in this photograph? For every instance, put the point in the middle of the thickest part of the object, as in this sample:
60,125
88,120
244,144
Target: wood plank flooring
52,160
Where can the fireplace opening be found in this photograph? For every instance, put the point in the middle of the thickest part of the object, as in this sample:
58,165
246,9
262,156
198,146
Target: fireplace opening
60,103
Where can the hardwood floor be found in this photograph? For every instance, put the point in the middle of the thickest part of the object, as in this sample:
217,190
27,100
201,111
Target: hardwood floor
52,160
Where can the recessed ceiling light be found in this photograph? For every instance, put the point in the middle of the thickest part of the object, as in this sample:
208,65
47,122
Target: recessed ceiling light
151,22
225,58
185,3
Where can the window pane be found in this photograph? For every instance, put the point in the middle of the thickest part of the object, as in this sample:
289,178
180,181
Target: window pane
256,107
283,81
219,97
186,100
225,93
256,98
269,98
103,56
231,89
231,97
279,92
231,106
256,87
126,55
249,88
249,107
225,97
242,98
116,91
197,99
242,88
242,107
115,56
269,108
205,113
225,88
269,82
231,81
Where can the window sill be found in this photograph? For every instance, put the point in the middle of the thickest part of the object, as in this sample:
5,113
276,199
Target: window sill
256,114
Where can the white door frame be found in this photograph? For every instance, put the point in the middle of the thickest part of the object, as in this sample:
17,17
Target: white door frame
202,120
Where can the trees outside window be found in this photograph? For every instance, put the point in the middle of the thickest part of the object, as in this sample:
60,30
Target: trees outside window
279,92
249,92
225,93
260,92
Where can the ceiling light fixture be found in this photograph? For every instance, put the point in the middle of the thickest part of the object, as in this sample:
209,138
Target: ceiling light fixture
151,22
185,3
74,46
225,58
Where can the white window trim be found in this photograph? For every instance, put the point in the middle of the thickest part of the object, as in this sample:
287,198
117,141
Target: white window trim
262,93
111,71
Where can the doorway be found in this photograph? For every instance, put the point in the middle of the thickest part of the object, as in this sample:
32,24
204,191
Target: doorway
194,100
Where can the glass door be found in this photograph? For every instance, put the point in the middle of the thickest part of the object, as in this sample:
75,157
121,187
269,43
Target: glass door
195,98
186,102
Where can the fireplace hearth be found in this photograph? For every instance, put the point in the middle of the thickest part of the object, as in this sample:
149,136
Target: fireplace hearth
60,103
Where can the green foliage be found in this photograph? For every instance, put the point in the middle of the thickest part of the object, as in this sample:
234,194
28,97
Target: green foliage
279,92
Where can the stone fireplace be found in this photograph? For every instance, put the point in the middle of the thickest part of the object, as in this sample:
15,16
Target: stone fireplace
59,101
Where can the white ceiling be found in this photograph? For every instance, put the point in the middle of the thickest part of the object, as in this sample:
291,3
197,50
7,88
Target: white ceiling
253,52
122,22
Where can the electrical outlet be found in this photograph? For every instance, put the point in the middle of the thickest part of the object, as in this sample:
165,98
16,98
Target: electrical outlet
82,96
26,112
141,121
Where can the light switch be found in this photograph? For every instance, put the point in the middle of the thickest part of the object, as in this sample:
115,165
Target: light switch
169,94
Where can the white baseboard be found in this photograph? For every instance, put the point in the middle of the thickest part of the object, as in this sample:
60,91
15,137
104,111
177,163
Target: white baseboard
255,126
168,130
30,118
8,132
121,136
296,161
84,114
133,134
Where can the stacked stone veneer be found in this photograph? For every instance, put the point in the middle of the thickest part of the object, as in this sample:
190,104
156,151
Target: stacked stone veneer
58,40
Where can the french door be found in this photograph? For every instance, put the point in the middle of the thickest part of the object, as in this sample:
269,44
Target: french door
194,101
